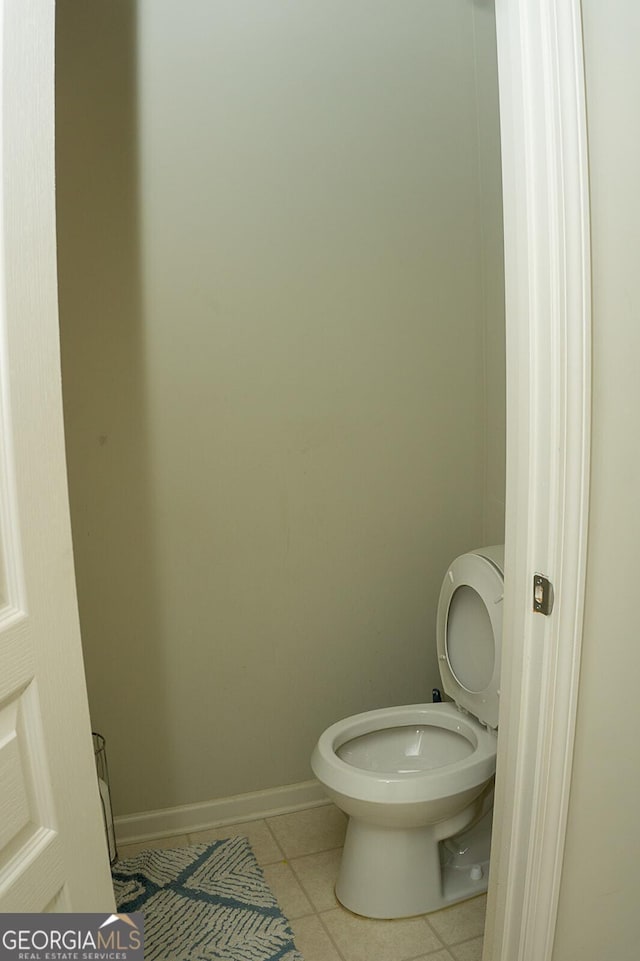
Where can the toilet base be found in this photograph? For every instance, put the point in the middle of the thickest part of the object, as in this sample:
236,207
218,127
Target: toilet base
400,872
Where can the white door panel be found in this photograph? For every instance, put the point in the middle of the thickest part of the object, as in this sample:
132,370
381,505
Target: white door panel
52,848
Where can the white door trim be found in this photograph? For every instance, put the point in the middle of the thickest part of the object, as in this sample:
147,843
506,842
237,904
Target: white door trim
547,279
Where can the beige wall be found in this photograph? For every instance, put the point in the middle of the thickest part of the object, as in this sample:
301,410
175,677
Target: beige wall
601,877
281,328
490,197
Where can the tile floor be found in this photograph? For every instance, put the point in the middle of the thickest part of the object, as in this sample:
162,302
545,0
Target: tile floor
299,854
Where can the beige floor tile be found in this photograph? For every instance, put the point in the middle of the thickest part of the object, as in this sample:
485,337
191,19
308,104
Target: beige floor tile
469,951
312,941
175,841
284,885
310,831
438,956
460,922
317,874
362,939
260,838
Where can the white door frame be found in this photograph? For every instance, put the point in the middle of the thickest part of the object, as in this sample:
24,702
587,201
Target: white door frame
547,283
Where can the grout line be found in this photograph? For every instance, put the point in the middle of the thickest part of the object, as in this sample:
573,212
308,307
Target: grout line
277,843
328,933
429,954
336,847
459,944
312,854
297,876
306,854
425,918
298,917
262,864
301,882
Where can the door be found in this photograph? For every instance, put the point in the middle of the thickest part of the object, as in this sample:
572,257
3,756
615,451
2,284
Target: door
52,847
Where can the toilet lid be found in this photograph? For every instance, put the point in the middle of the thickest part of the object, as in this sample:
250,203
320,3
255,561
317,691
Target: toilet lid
469,633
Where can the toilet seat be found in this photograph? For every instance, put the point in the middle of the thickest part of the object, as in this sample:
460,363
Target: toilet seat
403,787
469,633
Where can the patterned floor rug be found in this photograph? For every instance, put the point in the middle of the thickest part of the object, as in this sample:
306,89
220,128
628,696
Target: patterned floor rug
207,902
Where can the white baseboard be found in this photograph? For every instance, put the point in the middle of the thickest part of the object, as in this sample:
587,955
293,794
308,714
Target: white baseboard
188,818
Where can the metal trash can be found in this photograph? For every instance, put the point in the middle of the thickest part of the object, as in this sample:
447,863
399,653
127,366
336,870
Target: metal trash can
100,752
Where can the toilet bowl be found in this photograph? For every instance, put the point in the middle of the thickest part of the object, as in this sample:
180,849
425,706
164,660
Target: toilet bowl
412,777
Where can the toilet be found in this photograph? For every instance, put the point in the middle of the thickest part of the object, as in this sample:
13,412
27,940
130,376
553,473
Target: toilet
417,781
